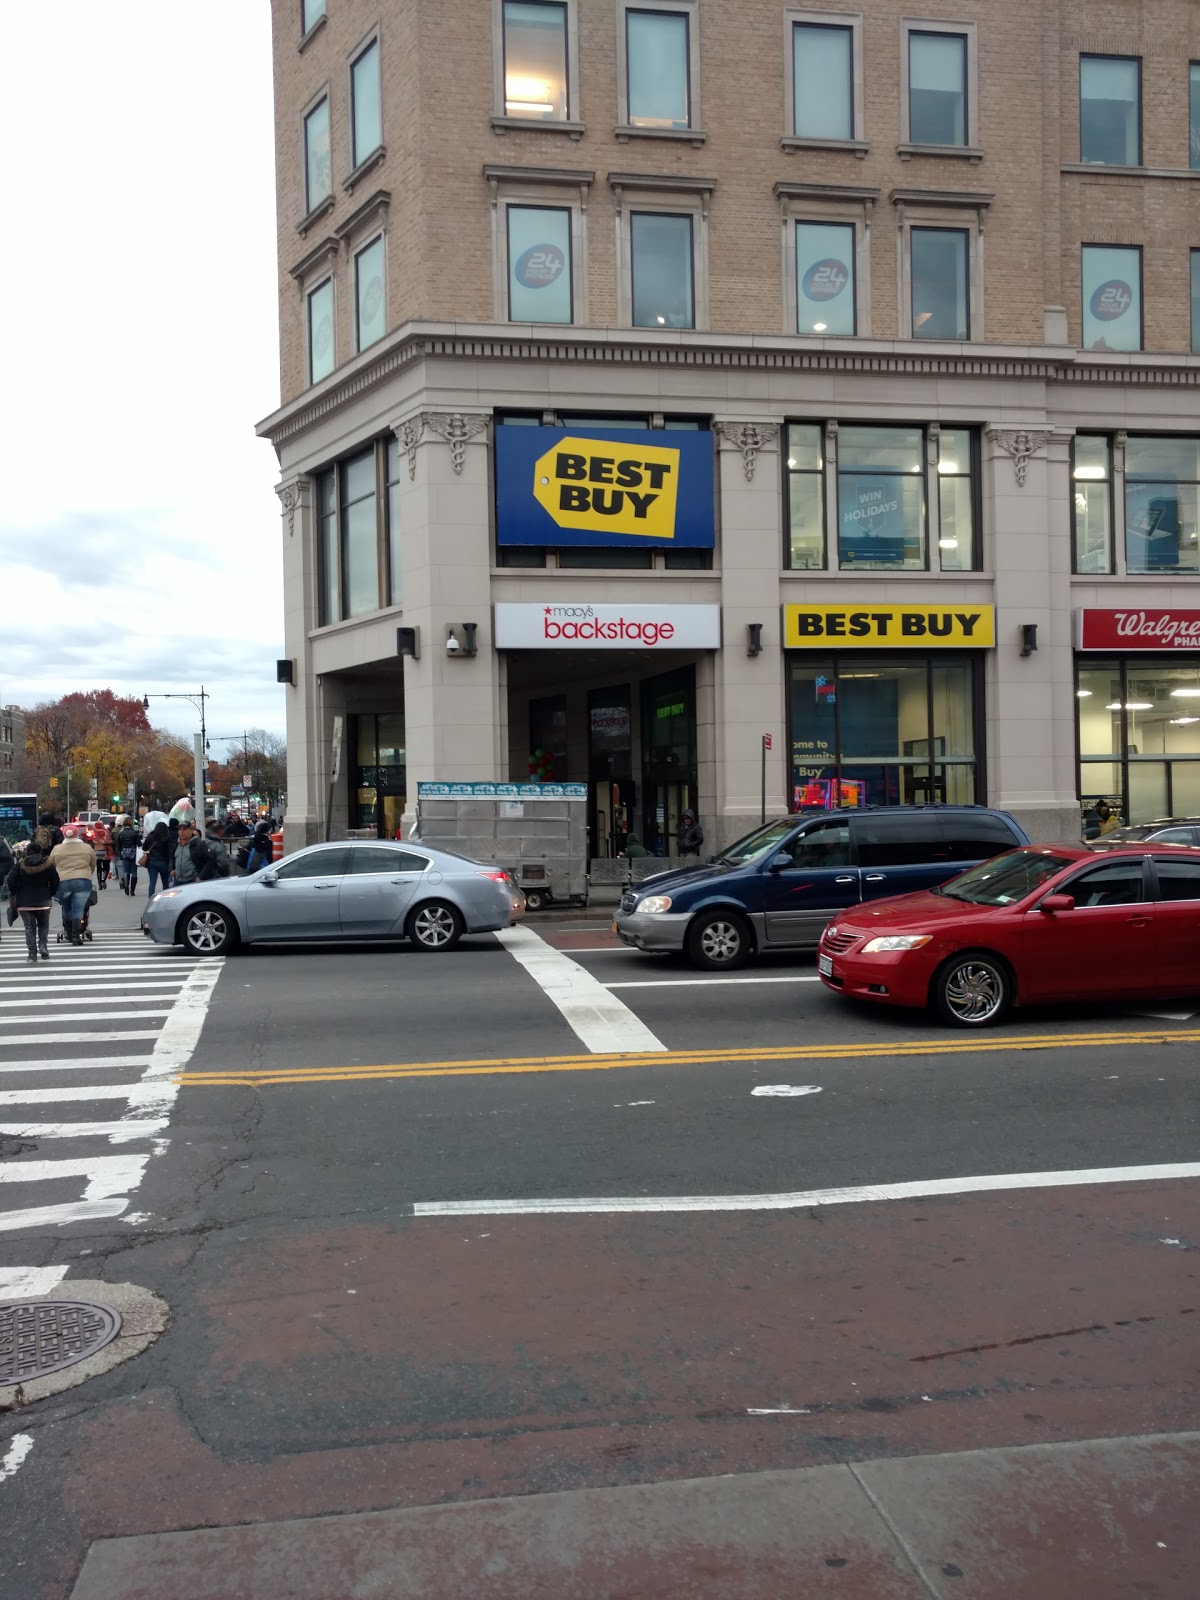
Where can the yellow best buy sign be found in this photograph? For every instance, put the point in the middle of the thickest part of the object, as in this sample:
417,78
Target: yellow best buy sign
583,483
867,627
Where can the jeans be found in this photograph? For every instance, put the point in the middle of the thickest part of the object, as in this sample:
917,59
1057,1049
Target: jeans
73,897
158,869
37,932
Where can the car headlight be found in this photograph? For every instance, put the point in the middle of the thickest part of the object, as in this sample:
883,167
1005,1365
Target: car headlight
655,902
895,941
168,894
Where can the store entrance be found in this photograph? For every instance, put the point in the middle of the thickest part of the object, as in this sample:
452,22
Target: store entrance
668,757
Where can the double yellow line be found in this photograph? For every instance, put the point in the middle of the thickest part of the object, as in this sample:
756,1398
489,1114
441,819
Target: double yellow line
975,1045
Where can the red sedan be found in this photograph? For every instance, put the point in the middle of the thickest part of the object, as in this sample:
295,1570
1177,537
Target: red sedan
1042,924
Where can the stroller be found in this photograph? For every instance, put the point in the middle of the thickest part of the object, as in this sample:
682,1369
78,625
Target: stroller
85,933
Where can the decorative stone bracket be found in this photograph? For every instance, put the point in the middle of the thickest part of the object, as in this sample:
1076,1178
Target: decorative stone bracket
457,428
409,434
289,499
749,438
1022,444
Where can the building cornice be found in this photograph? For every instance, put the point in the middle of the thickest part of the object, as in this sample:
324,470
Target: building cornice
615,347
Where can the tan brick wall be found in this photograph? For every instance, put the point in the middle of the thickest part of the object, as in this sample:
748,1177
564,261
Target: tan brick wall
438,84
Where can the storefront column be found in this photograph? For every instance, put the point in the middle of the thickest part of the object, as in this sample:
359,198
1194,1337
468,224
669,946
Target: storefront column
748,692
454,714
1031,698
302,818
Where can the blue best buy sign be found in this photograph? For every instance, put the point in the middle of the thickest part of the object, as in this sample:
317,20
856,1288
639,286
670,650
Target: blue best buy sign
652,489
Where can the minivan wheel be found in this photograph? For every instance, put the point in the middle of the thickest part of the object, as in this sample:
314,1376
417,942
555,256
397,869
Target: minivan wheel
718,941
207,930
435,926
973,990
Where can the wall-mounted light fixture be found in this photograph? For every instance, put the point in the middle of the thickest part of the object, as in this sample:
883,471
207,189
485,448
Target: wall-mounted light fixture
460,639
754,638
408,642
1028,638
285,672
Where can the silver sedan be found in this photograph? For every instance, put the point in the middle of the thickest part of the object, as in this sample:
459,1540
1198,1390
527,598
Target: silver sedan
364,889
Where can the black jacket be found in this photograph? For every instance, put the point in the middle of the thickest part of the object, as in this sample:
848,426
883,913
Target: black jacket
127,839
691,837
6,857
159,845
33,881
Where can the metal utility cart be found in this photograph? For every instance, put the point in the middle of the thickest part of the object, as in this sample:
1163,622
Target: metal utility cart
535,831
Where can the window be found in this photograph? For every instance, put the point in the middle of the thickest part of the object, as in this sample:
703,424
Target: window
907,841
806,496
318,169
658,69
328,863
881,497
1110,110
311,12
1194,115
1162,504
370,300
825,844
937,88
1117,884
540,273
535,60
662,270
1139,740
382,859
357,539
1091,482
822,81
956,501
367,113
940,288
1195,255
1177,880
320,332
1112,297
826,290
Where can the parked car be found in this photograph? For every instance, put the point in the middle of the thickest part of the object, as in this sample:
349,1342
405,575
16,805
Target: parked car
367,889
1167,830
1042,924
778,887
84,822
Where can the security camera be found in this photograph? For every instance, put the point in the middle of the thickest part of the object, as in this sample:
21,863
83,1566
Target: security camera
453,647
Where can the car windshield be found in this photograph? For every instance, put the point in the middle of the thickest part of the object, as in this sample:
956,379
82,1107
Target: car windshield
756,844
1005,879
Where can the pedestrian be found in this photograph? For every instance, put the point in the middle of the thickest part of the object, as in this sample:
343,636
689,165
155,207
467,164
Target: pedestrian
634,848
690,836
218,849
236,828
126,847
31,885
6,859
74,861
260,854
102,844
156,855
195,861
53,827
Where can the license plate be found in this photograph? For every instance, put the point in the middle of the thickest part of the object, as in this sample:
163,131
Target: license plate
825,966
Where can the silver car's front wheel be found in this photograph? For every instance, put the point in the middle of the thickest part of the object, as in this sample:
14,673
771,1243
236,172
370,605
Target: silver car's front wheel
719,941
435,926
972,991
208,931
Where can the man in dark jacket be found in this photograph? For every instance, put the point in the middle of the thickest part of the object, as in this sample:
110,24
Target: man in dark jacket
127,846
691,835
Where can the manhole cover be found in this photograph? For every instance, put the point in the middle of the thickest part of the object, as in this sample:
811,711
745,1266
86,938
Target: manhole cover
41,1336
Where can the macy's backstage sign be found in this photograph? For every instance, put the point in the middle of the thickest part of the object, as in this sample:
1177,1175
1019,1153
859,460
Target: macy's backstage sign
1124,631
581,625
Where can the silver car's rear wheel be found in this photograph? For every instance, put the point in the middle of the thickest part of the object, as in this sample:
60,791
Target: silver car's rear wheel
207,931
973,990
435,926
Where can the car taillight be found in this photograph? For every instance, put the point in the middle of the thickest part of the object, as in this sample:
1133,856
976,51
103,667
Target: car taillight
496,877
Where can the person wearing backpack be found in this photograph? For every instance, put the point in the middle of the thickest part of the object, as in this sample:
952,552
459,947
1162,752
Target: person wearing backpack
126,846
260,853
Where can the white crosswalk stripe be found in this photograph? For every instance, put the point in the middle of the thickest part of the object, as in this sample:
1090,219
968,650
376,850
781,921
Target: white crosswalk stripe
80,1121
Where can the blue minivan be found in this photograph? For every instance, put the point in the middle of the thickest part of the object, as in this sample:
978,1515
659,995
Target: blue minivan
778,887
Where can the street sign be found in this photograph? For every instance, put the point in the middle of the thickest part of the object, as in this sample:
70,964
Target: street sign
766,741
335,764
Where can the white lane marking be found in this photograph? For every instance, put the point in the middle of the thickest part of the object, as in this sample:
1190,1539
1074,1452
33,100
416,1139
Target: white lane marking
783,1090
85,990
780,1411
84,1000
71,1038
49,1097
683,983
922,1189
119,1132
107,1176
80,1016
21,1445
604,1023
29,1283
73,1063
60,1216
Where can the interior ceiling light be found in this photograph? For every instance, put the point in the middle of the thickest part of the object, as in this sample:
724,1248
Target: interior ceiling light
819,327
1179,722
947,466
1083,694
1185,694
1089,472
1131,705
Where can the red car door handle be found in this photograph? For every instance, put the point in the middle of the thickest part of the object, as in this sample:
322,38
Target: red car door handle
1138,922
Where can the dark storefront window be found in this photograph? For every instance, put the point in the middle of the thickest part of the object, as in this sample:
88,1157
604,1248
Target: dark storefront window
1139,739
668,757
881,730
377,771
548,739
610,768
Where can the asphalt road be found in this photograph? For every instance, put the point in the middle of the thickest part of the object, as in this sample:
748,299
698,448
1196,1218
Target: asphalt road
356,1324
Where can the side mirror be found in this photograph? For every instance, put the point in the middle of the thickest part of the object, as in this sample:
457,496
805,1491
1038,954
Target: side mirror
271,879
1057,902
780,862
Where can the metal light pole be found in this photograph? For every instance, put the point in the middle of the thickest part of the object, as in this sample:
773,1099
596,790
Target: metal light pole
244,740
200,741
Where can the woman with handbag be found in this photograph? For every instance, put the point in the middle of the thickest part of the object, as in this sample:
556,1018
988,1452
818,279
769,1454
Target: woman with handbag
31,886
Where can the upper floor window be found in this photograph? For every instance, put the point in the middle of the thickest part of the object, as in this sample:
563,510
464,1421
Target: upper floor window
1195,255
1112,297
940,284
1162,504
540,273
1091,485
318,167
366,111
658,56
826,293
311,12
937,88
1110,110
370,298
822,81
535,59
1194,115
320,331
662,270
356,544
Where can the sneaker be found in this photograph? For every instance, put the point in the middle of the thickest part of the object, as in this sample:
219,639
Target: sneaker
32,959
45,955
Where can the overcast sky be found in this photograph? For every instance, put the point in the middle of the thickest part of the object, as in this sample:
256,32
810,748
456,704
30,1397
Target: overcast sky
139,528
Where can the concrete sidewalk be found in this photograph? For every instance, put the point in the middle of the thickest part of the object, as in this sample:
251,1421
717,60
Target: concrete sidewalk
1107,1519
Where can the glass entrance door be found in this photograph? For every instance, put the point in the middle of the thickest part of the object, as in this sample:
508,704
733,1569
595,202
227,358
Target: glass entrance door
668,757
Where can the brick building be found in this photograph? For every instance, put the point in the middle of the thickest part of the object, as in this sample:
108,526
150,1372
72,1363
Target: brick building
12,747
662,374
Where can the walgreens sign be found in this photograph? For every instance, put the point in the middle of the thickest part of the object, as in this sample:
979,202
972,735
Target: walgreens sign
1125,631
583,625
